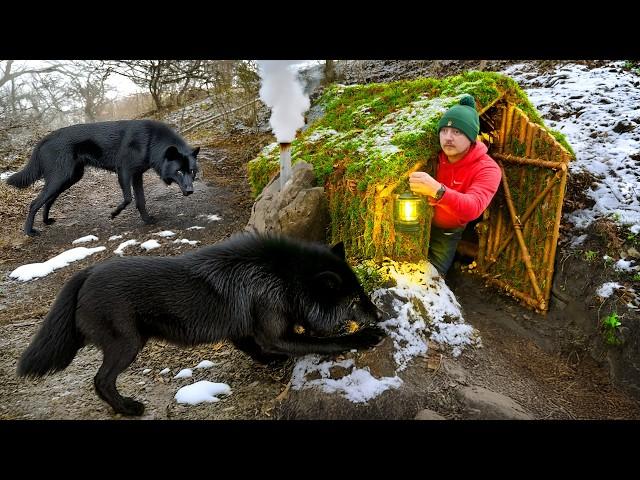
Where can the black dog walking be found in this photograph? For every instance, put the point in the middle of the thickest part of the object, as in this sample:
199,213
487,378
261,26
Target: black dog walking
127,147
256,291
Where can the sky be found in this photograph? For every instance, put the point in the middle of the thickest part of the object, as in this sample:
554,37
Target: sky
585,105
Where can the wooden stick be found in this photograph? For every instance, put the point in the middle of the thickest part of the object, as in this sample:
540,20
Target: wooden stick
503,130
484,230
527,161
522,133
512,291
523,248
499,228
531,133
509,124
490,104
556,229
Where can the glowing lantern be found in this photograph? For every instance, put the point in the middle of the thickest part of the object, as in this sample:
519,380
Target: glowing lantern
406,212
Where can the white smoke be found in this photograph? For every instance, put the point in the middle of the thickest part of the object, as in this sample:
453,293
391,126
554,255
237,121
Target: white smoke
284,95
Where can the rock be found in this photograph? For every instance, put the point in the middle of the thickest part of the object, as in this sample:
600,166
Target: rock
300,210
484,404
428,415
623,127
455,371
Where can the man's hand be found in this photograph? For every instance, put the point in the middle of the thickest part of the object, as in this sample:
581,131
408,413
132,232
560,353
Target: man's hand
424,184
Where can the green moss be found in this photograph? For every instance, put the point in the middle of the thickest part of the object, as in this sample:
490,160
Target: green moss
369,137
563,141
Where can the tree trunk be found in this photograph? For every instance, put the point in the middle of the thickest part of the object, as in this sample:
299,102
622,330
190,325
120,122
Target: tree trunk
329,72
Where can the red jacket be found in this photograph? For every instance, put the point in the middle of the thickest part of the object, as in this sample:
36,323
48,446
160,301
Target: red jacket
470,184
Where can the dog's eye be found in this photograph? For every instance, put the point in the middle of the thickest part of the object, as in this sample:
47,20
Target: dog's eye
179,172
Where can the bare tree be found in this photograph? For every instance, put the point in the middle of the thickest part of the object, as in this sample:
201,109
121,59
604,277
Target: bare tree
160,77
87,84
13,97
329,71
49,100
8,73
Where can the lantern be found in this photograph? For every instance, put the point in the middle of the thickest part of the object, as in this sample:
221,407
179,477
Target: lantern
406,212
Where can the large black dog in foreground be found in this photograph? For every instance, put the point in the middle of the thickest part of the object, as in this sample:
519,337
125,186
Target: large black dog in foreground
253,290
127,147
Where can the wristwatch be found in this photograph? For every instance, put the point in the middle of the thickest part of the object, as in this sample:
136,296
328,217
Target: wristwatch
440,192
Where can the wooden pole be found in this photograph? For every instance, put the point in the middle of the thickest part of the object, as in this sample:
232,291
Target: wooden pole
527,161
532,128
523,248
503,128
512,291
556,229
507,128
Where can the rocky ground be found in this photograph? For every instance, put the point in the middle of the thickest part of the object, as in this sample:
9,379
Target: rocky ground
528,366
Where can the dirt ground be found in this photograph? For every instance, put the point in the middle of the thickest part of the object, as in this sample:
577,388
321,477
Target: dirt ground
518,358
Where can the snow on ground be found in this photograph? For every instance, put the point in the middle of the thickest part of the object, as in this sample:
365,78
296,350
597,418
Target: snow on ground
123,245
88,238
37,270
184,373
202,391
150,245
184,240
211,218
607,289
598,110
165,233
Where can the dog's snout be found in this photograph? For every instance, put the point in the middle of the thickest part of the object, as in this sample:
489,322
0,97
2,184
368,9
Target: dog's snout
186,192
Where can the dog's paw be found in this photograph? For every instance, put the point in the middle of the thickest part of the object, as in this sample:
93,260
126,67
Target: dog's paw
369,337
149,220
33,232
131,407
49,221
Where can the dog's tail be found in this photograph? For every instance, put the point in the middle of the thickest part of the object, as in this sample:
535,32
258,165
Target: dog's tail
30,173
57,342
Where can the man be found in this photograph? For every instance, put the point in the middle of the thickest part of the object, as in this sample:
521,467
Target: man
466,181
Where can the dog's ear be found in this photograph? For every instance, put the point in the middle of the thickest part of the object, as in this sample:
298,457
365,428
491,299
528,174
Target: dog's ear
338,249
195,152
329,280
172,153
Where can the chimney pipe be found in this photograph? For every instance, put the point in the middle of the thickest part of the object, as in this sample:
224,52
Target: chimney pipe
285,163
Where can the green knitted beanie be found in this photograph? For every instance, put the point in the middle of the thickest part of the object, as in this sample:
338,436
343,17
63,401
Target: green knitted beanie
464,117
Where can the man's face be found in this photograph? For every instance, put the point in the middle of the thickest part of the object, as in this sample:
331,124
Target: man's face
453,142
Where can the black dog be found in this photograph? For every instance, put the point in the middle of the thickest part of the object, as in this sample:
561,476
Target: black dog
127,147
256,291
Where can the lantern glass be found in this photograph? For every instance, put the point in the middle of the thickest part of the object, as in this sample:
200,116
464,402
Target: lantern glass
406,212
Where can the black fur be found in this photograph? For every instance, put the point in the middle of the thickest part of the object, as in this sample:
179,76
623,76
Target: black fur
127,147
250,289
